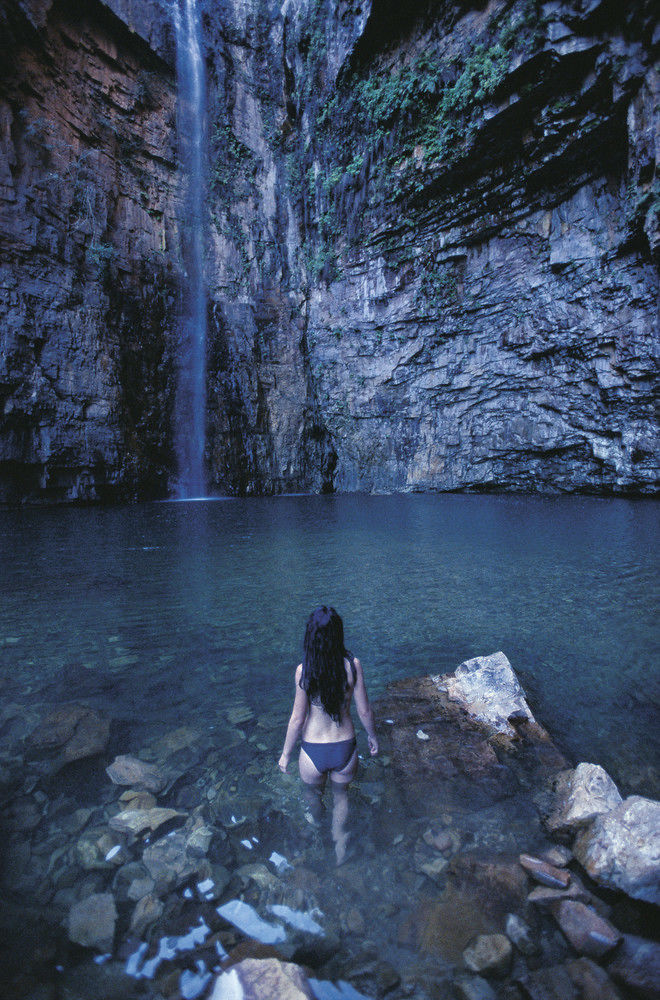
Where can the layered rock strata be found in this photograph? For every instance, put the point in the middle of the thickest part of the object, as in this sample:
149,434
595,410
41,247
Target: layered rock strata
433,247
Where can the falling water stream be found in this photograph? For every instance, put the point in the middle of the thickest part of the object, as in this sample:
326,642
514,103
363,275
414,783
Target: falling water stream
191,126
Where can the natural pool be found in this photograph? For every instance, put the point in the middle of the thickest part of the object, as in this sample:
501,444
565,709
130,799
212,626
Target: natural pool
189,618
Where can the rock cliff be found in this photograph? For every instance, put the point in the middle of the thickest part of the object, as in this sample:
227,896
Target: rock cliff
433,246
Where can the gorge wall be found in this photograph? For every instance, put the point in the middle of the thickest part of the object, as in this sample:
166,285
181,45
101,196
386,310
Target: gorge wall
433,247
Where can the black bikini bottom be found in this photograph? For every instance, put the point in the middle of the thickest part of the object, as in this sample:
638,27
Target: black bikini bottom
330,756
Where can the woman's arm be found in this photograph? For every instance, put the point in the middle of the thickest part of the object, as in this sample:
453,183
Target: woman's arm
296,722
364,708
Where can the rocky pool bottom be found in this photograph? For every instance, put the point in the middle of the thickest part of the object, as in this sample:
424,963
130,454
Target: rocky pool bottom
479,864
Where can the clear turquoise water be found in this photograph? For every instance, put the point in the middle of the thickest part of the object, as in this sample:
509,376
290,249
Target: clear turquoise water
166,614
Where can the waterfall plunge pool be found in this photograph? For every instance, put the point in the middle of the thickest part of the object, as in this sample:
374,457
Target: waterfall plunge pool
182,623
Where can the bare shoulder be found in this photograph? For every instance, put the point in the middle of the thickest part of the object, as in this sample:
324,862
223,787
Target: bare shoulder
298,674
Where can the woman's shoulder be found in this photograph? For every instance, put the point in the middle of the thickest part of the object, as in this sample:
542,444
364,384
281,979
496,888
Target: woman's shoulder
298,673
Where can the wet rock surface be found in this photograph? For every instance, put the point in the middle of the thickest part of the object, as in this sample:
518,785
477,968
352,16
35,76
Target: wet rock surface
467,302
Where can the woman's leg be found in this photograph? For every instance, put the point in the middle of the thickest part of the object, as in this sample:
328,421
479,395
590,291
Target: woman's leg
340,781
313,784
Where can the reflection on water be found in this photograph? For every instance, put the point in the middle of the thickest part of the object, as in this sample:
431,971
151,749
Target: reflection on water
169,612
182,624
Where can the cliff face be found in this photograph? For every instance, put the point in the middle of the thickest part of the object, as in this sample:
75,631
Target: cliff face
87,291
433,248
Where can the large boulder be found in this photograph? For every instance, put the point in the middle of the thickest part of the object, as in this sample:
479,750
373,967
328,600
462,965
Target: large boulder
621,848
581,795
257,978
489,691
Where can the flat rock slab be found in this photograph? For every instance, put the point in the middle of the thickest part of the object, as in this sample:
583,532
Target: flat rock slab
91,922
581,795
68,733
257,978
436,743
589,934
136,820
489,690
621,848
126,770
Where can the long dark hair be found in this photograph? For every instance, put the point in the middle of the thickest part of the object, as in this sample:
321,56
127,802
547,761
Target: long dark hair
323,673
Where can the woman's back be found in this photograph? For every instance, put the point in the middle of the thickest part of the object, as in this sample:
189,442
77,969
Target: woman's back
319,727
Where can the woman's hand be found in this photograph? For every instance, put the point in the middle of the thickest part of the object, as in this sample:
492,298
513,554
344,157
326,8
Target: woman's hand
283,763
372,742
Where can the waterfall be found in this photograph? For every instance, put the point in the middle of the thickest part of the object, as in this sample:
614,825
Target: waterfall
190,409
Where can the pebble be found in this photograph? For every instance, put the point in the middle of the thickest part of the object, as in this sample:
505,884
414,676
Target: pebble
559,856
520,934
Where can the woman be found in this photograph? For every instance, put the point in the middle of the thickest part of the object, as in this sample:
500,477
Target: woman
326,681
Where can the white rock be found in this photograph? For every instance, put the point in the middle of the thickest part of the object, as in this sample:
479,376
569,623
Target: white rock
621,848
489,690
580,796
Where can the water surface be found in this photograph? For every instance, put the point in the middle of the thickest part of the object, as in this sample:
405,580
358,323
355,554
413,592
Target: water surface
167,613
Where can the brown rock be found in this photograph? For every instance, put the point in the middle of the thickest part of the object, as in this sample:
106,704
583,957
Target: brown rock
549,898
126,770
91,922
541,871
137,799
588,933
255,979
69,732
592,981
147,911
136,820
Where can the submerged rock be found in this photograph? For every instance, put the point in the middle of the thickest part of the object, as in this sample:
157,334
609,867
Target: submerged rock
490,692
134,821
168,863
254,979
636,965
546,874
126,770
91,922
621,849
580,796
520,934
489,954
592,981
68,733
588,933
